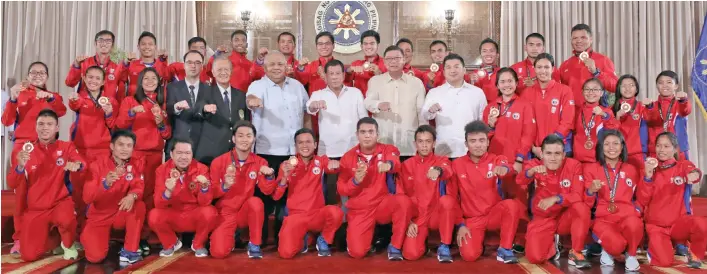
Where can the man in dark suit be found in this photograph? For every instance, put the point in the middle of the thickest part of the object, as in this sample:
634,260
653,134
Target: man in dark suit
224,106
186,99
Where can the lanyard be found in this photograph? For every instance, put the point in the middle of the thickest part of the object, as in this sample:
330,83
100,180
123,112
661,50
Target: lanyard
588,127
668,116
614,186
503,112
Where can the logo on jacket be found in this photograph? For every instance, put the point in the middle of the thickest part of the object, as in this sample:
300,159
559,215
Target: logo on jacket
252,175
346,20
316,170
565,183
489,174
622,174
629,183
516,116
60,161
111,77
129,177
555,102
581,178
636,116
678,180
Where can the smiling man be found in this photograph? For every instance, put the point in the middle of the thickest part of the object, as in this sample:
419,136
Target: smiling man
103,41
244,71
361,71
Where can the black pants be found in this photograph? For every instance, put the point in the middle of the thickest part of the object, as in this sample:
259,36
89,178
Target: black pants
271,206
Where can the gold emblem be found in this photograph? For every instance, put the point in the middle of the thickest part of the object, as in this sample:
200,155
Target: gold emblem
494,112
174,173
241,114
434,67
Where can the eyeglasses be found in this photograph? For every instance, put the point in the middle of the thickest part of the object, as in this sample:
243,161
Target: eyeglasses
392,59
595,90
628,86
324,44
190,63
37,73
104,41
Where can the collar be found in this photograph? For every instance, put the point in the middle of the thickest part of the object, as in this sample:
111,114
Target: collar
378,149
291,60
407,67
670,163
630,100
590,105
98,61
402,78
271,83
577,53
343,89
500,98
221,89
376,59
550,85
482,159
323,60
234,154
464,85
424,159
51,145
665,98
196,85
528,63
190,167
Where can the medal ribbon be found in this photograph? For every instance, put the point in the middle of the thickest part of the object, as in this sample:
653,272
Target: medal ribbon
614,186
506,109
668,115
588,127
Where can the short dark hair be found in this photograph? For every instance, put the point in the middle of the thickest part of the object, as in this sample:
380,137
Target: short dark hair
603,100
535,35
179,140
617,94
196,39
477,126
505,70
426,128
304,131
147,34
453,56
371,33
238,31
439,42
673,140
122,133
243,123
583,27
192,52
547,56
489,41
553,139
600,145
393,48
405,40
322,34
286,33
104,32
48,113
333,63
668,73
98,68
366,120
38,63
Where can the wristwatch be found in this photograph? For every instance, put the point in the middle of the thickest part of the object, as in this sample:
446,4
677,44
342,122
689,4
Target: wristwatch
134,196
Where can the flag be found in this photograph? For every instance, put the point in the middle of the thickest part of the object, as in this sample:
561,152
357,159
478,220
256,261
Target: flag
699,71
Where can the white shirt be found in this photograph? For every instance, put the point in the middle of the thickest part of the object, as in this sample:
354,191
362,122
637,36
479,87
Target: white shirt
337,123
196,95
405,95
460,106
280,117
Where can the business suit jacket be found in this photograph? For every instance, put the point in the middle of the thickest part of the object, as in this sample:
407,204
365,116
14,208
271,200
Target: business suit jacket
188,123
217,130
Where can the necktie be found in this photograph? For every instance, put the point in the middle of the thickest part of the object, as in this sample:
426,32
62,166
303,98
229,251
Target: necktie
191,94
227,102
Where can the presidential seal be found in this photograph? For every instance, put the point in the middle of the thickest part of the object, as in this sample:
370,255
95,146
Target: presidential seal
346,20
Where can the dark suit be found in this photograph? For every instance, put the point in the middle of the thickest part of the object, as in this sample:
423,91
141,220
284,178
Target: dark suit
217,129
188,123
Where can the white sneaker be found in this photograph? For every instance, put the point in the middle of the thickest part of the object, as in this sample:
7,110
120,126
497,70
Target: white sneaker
632,263
606,259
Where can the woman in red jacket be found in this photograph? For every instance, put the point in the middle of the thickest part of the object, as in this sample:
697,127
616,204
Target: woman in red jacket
665,193
513,130
629,112
27,99
669,113
145,115
591,118
610,183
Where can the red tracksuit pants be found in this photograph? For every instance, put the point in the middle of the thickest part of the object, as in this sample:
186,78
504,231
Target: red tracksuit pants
37,224
326,219
96,235
153,159
574,221
616,235
90,155
396,209
250,216
688,228
503,216
442,219
166,222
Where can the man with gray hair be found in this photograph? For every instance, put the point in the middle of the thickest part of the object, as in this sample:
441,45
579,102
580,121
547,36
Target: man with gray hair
278,105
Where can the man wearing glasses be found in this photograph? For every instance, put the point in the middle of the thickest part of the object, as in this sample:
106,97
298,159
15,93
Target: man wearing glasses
104,44
395,99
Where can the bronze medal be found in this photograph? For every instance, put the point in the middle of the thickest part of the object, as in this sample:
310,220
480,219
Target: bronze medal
588,144
494,112
612,207
103,101
434,67
28,147
192,185
174,173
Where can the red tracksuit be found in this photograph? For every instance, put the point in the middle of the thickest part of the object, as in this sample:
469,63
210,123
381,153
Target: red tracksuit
669,216
622,229
677,122
103,214
574,73
632,127
237,206
554,110
360,80
516,120
114,74
482,203
372,200
150,138
306,210
176,73
526,69
488,84
570,216
608,121
244,71
137,66
47,198
23,112
434,202
188,209
409,69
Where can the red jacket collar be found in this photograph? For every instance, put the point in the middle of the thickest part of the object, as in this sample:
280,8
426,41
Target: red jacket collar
376,150
248,160
499,100
482,160
424,159
670,162
577,53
